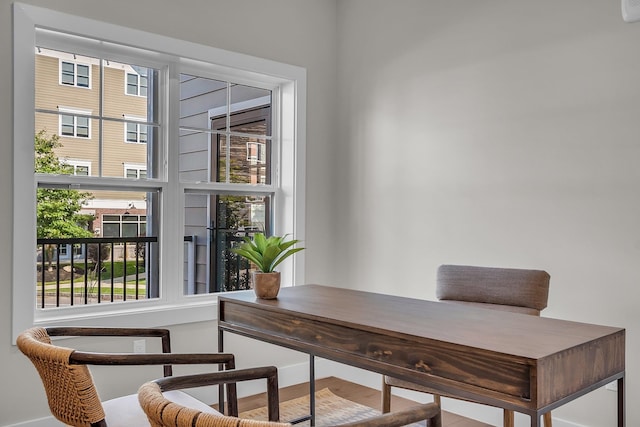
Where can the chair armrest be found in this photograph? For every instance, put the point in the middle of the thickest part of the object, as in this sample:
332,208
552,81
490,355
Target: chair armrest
89,331
270,373
427,411
71,331
90,358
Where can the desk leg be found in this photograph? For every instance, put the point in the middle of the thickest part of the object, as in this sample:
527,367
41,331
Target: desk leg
220,386
312,389
621,408
535,420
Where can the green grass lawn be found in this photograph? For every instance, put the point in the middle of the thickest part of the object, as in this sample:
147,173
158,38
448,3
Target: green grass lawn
106,274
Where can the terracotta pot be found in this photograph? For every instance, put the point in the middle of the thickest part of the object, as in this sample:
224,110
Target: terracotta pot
266,285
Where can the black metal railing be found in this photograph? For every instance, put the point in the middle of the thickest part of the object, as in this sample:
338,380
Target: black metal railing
83,270
232,272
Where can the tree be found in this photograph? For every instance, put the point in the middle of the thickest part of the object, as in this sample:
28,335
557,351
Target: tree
58,210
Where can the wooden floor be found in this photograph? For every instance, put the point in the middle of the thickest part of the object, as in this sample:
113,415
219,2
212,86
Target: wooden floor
354,392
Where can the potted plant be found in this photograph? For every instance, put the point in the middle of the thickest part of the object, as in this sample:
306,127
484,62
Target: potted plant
266,253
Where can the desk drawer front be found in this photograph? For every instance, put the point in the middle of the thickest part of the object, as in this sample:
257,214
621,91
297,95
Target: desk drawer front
410,359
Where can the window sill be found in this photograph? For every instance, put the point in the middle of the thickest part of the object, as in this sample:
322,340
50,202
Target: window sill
143,314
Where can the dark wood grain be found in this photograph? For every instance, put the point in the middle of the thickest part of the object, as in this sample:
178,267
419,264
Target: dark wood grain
525,363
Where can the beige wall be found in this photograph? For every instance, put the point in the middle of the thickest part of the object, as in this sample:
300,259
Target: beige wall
495,133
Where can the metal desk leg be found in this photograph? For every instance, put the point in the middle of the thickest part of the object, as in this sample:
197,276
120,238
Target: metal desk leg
220,386
621,408
312,396
312,389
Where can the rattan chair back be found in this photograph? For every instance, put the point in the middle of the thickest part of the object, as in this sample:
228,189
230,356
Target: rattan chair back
165,413
71,393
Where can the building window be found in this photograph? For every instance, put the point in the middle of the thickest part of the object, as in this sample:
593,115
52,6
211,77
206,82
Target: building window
125,225
74,74
75,126
199,179
256,151
135,171
135,132
136,83
80,167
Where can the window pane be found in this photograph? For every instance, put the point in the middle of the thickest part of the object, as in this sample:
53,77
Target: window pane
67,76
247,167
251,99
129,230
82,127
83,75
111,230
85,214
53,67
225,220
143,86
132,84
132,132
121,81
82,170
117,152
67,127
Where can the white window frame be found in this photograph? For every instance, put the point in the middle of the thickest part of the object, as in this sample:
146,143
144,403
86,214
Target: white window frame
173,307
75,73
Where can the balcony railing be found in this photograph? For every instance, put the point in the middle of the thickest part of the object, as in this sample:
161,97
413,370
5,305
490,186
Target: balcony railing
92,270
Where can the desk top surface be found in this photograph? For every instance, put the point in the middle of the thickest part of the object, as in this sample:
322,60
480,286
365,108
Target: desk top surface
520,335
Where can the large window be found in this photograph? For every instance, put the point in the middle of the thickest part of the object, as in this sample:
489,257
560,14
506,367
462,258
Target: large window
212,167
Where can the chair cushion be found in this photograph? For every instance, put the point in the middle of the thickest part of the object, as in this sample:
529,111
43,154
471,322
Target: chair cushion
126,411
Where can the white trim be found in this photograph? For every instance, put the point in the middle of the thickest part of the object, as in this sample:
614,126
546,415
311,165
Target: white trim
239,68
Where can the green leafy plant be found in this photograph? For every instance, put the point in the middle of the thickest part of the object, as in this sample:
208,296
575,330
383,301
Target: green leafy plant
266,252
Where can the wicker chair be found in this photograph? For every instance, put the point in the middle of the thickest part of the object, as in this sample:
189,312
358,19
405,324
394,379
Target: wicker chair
163,412
71,393
507,289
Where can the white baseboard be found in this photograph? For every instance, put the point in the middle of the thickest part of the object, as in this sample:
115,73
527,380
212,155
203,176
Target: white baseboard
295,374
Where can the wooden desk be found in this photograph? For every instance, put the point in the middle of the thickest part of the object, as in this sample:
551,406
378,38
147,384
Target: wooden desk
526,363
